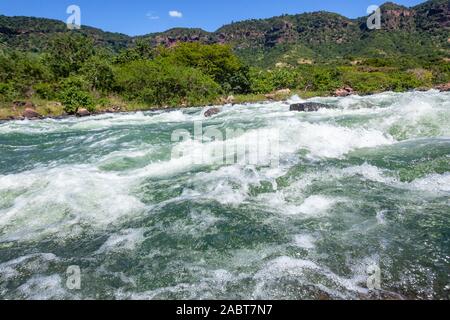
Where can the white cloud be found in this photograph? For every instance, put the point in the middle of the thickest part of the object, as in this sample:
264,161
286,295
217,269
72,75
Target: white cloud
175,14
151,15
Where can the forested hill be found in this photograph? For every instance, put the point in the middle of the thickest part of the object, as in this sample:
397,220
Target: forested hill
35,34
419,31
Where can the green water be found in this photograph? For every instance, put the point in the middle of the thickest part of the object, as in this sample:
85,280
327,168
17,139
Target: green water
365,185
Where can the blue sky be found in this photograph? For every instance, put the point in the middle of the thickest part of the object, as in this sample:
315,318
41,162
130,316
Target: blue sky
137,17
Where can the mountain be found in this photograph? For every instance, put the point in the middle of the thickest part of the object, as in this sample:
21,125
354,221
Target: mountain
34,34
289,39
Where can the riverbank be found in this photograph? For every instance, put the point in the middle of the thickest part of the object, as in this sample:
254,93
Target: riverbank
36,108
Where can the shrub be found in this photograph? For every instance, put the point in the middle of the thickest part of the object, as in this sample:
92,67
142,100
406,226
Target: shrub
364,82
45,90
261,81
68,52
217,61
74,99
162,83
98,74
402,81
77,82
7,92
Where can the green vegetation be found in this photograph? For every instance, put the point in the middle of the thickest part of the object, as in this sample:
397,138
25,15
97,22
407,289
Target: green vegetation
310,54
77,74
159,83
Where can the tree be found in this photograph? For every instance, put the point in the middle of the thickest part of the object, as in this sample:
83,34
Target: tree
141,51
68,52
218,61
163,83
99,74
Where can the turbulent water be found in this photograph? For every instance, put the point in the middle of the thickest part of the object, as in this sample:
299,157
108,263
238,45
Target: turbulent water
357,188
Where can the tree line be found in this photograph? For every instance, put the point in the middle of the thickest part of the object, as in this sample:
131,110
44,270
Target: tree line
75,72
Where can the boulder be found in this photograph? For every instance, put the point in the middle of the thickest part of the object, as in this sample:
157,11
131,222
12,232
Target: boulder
444,87
30,113
211,112
344,92
82,112
310,107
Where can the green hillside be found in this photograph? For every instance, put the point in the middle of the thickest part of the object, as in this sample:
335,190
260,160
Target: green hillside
320,36
310,54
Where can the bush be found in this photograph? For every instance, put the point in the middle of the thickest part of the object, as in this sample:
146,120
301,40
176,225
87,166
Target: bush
74,99
77,82
217,61
141,51
22,71
325,79
162,83
68,52
364,82
98,74
261,81
7,92
45,90
401,81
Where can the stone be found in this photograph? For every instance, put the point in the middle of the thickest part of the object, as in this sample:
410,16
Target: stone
444,87
344,92
211,112
310,107
82,112
30,113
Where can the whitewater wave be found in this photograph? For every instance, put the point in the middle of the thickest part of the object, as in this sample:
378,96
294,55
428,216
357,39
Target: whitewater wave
105,193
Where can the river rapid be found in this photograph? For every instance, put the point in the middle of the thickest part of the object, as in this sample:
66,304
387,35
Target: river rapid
359,196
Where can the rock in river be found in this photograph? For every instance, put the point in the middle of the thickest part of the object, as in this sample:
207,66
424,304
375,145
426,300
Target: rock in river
444,87
344,92
211,112
310,107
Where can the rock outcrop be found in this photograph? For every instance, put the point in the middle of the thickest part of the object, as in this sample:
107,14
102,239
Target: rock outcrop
310,107
344,92
30,113
82,112
211,112
444,87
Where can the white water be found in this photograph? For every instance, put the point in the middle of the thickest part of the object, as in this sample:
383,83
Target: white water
101,190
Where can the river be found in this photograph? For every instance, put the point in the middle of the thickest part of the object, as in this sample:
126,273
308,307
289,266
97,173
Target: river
358,196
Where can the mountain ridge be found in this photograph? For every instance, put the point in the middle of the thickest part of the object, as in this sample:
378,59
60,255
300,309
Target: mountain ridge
317,35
